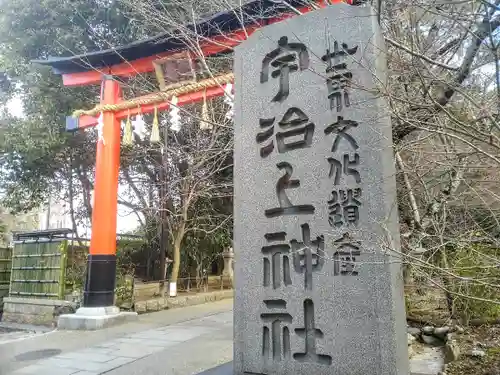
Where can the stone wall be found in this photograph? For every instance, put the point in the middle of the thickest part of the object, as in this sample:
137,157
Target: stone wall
214,282
34,311
145,291
158,304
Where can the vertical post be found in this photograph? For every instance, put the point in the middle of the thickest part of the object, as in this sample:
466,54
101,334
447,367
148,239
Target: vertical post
63,249
163,214
101,265
47,214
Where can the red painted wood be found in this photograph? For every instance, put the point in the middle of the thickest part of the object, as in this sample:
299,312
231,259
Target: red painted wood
103,237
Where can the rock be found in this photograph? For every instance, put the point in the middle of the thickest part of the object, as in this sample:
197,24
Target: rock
162,303
60,310
140,307
152,305
451,352
441,332
428,360
458,329
126,305
411,339
414,331
441,373
411,352
428,330
431,340
476,353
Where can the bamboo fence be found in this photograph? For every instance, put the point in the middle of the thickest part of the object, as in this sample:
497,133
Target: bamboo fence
39,268
5,265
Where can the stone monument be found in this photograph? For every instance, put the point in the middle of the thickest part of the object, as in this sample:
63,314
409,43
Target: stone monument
318,277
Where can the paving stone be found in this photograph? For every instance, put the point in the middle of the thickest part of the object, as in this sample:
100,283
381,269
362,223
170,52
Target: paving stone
45,370
58,362
141,341
107,356
115,363
82,365
34,369
132,351
176,334
87,356
130,340
97,350
108,344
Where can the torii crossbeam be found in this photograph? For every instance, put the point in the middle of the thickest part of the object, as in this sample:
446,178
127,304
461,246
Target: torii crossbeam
220,33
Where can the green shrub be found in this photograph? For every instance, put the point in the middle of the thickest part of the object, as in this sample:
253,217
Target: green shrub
475,294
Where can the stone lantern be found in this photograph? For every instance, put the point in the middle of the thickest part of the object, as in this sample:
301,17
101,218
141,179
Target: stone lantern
227,273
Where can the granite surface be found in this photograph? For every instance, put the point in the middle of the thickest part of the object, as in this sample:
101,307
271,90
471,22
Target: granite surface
317,272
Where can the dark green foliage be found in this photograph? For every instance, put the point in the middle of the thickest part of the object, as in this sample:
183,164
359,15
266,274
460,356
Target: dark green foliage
476,293
35,152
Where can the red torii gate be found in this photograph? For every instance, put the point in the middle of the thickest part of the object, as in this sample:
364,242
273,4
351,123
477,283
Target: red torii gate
143,57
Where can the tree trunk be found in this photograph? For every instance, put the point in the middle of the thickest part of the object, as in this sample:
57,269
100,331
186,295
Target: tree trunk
176,265
163,243
71,198
448,284
163,214
177,259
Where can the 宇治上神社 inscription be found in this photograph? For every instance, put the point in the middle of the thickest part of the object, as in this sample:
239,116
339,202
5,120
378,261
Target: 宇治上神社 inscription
317,273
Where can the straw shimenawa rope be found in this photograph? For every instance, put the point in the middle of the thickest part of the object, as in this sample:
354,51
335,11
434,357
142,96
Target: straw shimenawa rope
157,97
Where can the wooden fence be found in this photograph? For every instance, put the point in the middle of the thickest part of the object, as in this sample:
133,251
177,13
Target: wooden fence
39,268
5,264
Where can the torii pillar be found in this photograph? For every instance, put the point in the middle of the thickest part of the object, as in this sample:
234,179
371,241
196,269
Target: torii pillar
101,264
98,310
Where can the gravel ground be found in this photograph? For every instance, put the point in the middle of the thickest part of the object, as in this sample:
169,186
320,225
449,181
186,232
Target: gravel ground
487,340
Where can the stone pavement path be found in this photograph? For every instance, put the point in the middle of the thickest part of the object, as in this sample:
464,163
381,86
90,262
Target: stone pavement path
131,352
10,332
185,341
116,353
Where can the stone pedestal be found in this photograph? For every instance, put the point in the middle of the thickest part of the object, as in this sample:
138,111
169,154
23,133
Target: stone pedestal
35,311
94,318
